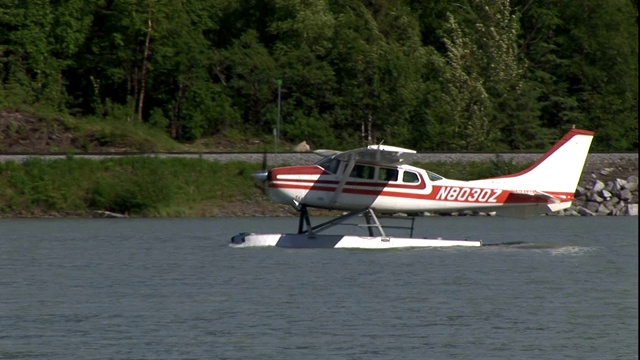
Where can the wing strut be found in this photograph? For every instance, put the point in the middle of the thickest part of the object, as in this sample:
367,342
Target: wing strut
343,180
372,222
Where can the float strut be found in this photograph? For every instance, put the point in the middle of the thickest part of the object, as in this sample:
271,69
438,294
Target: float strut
304,220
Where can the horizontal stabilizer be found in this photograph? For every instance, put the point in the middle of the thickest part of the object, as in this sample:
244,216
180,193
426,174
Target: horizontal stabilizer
539,195
544,195
523,211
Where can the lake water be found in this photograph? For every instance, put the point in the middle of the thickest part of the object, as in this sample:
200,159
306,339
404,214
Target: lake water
174,289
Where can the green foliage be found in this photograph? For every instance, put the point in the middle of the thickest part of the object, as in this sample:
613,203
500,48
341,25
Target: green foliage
492,102
584,56
501,166
157,119
37,184
432,75
28,73
137,186
130,186
311,129
474,170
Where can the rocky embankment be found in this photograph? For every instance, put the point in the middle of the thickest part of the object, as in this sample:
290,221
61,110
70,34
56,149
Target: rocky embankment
608,186
612,197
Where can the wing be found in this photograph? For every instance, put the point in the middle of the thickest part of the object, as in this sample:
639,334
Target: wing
373,154
325,152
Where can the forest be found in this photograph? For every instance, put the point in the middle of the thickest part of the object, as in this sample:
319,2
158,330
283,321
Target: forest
438,75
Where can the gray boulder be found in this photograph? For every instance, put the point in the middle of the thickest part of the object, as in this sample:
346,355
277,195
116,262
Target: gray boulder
585,212
597,186
626,195
631,183
595,198
603,210
592,206
570,212
619,184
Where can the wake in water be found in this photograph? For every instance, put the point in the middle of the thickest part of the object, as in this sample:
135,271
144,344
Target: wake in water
572,250
555,249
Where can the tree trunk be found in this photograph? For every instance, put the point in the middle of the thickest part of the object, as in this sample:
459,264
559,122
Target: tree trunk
369,130
182,89
145,60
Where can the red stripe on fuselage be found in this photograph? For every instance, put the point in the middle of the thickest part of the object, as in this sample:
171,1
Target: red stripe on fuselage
483,195
299,170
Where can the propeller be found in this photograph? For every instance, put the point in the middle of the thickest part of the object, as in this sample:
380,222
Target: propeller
261,176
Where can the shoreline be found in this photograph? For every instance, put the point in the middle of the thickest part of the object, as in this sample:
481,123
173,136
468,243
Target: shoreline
603,179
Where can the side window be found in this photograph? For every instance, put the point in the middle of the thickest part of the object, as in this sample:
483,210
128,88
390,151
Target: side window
388,174
362,172
410,177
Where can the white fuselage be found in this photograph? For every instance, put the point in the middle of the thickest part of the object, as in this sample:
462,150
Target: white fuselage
411,190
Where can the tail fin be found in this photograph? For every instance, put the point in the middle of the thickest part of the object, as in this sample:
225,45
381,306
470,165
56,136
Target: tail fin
559,169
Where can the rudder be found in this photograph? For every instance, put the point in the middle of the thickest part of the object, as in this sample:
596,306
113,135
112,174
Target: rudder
559,169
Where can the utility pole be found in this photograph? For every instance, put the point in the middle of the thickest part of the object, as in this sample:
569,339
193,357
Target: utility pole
277,132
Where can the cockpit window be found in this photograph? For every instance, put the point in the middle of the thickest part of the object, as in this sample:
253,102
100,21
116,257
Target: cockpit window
362,172
386,174
410,177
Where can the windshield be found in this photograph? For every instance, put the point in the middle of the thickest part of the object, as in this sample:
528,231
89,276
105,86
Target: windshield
329,164
433,176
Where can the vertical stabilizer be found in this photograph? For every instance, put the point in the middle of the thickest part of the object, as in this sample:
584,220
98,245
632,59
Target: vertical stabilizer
558,170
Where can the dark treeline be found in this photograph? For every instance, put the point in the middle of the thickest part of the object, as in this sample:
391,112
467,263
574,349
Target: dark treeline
430,75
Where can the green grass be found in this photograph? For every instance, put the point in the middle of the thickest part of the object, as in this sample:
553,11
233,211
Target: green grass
473,170
136,186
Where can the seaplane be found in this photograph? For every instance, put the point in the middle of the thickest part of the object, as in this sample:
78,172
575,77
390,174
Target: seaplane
375,182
